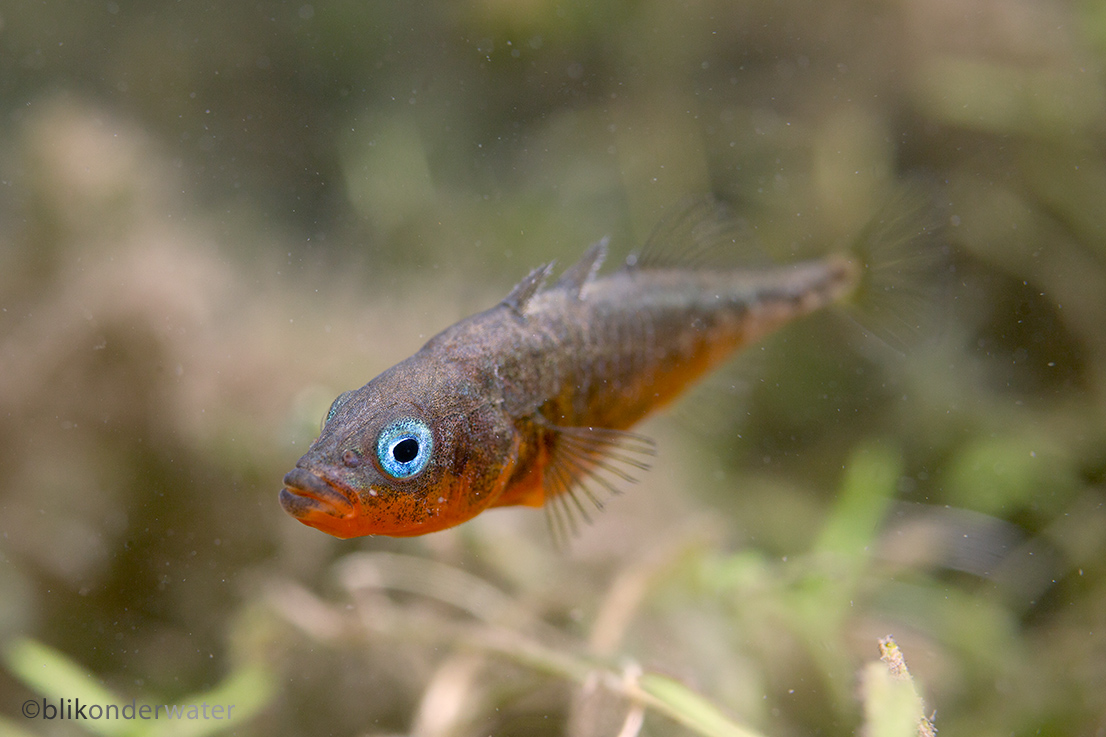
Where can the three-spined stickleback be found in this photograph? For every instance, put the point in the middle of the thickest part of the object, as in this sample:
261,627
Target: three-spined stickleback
530,402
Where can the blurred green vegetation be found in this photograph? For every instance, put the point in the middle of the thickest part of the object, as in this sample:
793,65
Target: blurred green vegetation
216,216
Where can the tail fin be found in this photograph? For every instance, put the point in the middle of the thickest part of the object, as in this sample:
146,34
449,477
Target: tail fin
905,269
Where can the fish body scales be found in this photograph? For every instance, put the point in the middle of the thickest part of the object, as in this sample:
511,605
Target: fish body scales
633,341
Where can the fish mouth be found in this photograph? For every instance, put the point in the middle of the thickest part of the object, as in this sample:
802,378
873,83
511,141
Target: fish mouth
314,501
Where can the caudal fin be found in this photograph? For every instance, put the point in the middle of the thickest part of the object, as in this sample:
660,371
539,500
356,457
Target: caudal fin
905,269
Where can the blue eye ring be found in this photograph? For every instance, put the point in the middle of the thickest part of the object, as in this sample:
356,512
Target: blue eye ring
404,447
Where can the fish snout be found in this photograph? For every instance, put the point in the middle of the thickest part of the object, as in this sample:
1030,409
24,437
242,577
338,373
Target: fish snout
306,496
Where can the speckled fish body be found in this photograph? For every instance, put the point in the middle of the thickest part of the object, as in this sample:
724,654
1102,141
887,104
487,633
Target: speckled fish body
530,401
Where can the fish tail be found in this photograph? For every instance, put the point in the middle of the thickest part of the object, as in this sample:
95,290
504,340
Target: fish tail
902,265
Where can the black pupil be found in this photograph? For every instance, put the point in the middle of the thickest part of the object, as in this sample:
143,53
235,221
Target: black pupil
405,450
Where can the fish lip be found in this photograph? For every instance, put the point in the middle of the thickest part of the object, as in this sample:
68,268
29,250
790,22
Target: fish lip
306,494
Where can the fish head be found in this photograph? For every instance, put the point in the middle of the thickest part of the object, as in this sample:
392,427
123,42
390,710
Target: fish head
420,448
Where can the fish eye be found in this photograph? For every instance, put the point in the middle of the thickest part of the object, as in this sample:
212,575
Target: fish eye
404,447
335,405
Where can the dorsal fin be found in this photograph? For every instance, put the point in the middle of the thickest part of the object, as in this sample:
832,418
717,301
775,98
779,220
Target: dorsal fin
699,232
527,288
584,270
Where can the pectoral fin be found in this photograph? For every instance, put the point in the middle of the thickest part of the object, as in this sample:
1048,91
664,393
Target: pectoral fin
588,463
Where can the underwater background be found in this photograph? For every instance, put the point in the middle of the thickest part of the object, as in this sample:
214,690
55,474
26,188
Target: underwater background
215,217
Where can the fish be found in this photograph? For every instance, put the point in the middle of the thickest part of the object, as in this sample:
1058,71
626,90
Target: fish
531,402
